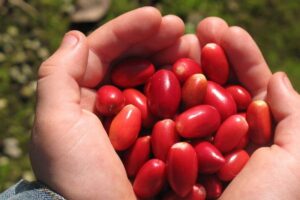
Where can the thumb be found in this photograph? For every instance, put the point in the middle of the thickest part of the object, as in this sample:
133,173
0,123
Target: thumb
284,102
60,75
69,59
58,88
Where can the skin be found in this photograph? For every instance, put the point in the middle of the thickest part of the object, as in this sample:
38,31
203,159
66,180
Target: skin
70,150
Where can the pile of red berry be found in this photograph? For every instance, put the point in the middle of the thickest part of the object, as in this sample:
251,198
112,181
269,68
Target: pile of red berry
182,131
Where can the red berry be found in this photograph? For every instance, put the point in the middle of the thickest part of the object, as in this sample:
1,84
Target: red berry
260,123
164,135
210,159
137,155
194,90
132,72
138,99
150,179
230,133
183,68
164,94
182,168
110,100
241,96
234,163
221,99
214,63
198,121
213,187
125,127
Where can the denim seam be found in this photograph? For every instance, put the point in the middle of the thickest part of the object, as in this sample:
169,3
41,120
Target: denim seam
53,195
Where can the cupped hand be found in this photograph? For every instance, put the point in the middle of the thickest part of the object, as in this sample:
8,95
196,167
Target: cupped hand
70,150
272,172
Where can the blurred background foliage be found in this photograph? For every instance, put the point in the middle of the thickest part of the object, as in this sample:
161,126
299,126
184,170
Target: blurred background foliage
31,30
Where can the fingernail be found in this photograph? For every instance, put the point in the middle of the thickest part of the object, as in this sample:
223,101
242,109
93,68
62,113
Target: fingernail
69,41
287,81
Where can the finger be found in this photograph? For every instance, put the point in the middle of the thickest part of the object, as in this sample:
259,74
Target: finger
211,29
116,37
285,106
282,97
60,75
186,47
246,60
170,30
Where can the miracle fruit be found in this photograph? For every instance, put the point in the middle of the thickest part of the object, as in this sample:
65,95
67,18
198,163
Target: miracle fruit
183,132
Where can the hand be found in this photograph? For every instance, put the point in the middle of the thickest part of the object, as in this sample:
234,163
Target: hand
70,150
272,172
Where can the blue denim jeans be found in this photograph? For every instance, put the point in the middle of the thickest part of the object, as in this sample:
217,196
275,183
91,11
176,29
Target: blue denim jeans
24,190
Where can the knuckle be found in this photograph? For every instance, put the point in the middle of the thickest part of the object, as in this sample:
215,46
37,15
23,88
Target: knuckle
45,69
